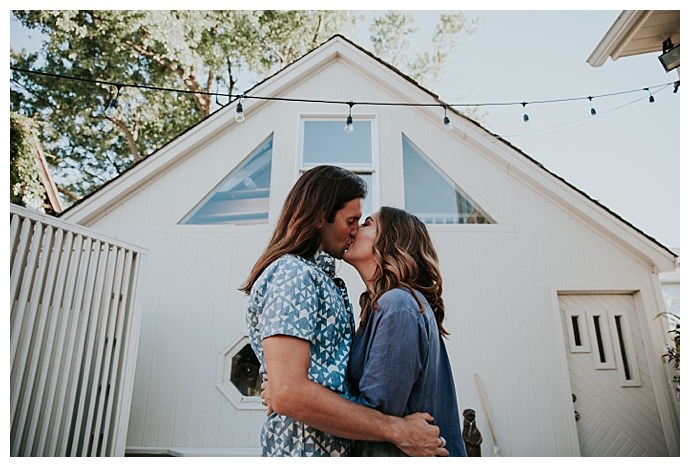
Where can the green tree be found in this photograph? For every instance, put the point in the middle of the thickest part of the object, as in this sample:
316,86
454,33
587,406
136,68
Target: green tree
392,33
195,52
26,187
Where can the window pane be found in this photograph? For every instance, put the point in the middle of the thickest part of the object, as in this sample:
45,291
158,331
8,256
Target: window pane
368,204
432,196
325,142
242,198
244,372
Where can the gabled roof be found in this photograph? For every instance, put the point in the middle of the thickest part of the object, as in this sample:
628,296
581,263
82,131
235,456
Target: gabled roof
97,203
637,32
260,88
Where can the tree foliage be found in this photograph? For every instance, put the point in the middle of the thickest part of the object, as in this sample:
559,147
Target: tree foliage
200,52
26,187
392,33
672,353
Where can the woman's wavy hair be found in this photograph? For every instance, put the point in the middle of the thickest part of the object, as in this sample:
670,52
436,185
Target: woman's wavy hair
405,257
319,193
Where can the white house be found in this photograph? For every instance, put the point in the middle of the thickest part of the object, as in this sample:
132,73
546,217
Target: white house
550,296
637,32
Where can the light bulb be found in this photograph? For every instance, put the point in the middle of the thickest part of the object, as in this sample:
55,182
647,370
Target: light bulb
349,127
447,123
239,113
113,109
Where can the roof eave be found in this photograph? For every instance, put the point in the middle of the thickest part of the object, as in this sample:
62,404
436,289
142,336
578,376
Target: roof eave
618,36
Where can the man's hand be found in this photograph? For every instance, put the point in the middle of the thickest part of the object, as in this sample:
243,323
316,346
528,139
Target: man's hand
419,438
293,394
266,395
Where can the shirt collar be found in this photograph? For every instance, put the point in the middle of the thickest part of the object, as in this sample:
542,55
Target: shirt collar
325,262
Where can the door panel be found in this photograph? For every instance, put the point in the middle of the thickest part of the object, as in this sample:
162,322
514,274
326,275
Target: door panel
614,404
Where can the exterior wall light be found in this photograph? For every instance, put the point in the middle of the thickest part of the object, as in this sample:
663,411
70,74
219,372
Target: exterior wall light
670,59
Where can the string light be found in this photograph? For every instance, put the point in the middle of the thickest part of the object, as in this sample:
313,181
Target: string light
525,117
349,127
113,109
592,110
446,121
239,111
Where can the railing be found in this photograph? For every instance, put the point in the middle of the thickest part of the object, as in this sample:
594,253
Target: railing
74,327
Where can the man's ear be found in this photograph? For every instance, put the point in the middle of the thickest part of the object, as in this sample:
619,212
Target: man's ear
320,222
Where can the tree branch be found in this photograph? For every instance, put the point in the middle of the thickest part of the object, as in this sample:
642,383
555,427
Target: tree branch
136,155
202,101
315,38
231,81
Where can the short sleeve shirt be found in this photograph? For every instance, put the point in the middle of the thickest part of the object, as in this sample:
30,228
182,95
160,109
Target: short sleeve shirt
303,298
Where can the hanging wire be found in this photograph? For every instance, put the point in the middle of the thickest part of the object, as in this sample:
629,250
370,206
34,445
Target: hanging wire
572,122
239,107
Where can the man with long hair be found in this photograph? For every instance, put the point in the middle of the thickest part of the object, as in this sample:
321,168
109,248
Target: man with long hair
301,326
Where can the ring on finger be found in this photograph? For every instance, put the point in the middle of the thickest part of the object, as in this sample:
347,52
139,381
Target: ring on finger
443,441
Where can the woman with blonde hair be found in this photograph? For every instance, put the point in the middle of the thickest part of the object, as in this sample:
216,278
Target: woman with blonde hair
399,363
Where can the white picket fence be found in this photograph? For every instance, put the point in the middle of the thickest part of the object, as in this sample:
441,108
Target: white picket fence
74,327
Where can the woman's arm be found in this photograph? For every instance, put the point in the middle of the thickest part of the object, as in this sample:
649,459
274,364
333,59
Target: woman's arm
390,354
293,394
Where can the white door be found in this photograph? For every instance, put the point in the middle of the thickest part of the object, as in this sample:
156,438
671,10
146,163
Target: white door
613,401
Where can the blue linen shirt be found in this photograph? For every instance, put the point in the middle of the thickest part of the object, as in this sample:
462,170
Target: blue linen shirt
399,365
303,298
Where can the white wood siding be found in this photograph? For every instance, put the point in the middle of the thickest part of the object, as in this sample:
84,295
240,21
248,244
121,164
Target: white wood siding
74,334
501,281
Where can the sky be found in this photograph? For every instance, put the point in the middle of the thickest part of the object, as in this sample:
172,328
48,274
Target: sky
627,156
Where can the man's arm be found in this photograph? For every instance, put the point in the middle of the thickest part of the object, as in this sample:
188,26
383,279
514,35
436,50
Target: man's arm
293,394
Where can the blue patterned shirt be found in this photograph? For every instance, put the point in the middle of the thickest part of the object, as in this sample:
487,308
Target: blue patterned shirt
303,298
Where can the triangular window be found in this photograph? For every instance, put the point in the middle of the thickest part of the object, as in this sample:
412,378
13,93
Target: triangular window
242,197
432,196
